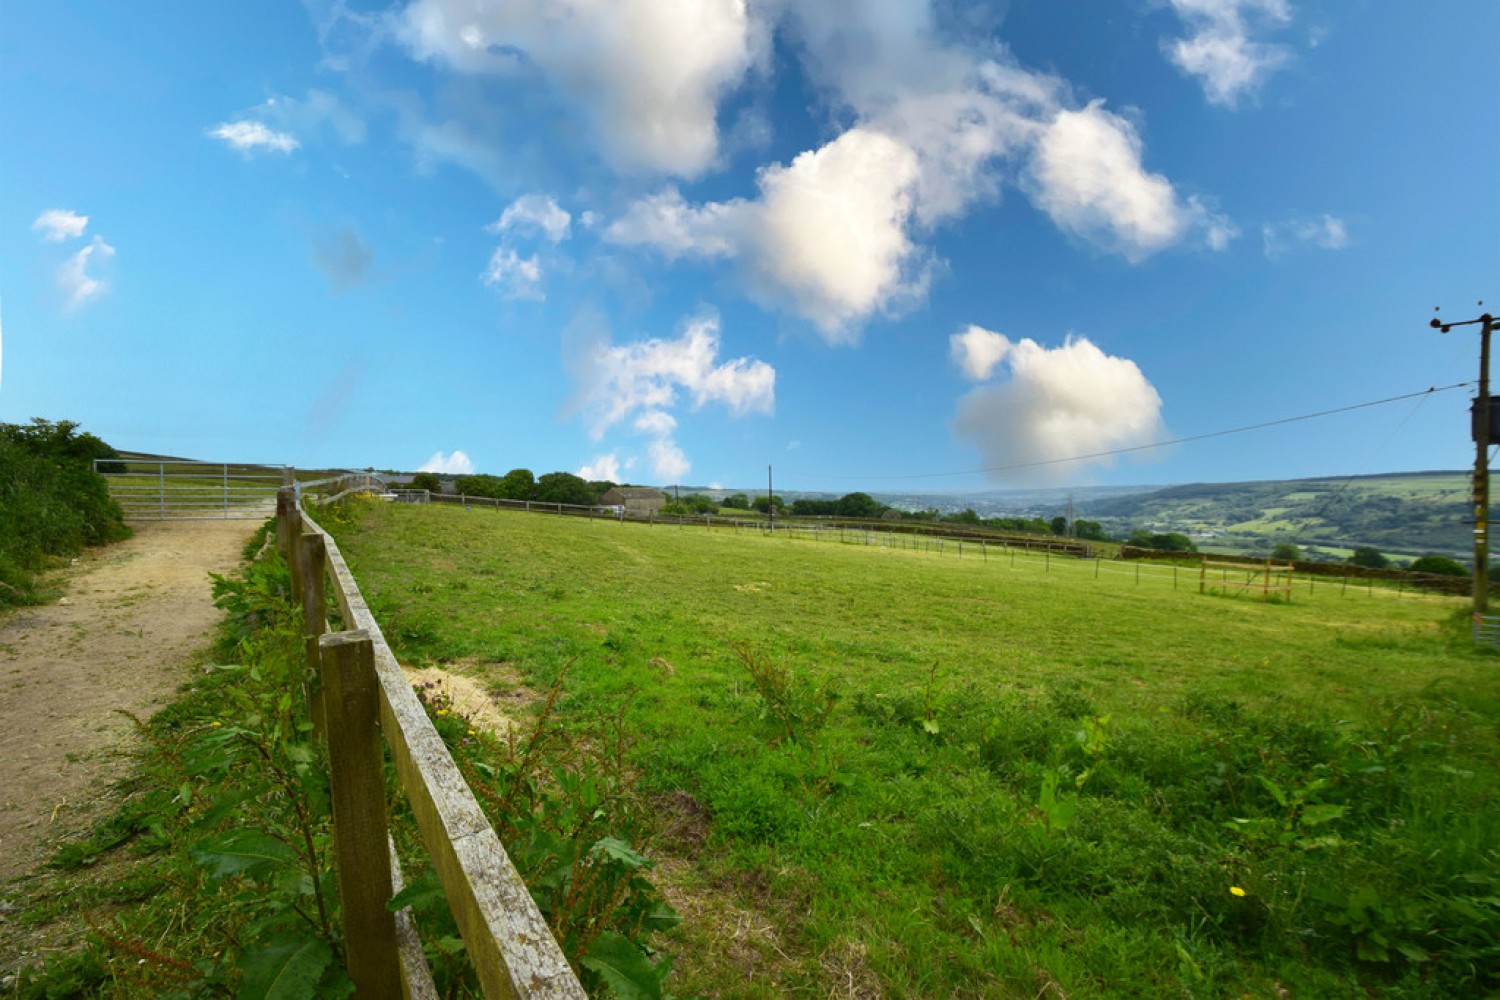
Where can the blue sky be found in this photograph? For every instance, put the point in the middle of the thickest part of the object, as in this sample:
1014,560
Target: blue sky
877,245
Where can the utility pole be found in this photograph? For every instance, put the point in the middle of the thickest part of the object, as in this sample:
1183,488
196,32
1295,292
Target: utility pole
1481,430
770,501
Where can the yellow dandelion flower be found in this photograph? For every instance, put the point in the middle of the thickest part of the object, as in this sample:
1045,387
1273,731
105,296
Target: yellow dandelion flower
471,732
1236,890
218,723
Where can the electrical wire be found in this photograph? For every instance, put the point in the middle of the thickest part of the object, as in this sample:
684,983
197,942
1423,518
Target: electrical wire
1431,390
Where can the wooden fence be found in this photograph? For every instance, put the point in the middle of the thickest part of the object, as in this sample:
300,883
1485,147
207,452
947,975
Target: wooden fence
1268,578
364,701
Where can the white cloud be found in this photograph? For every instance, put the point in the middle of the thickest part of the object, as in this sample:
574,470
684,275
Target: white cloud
58,224
534,213
1058,403
313,112
1088,176
837,235
657,422
1221,50
456,463
647,74
73,277
248,136
603,467
978,351
517,277
827,236
668,461
1325,232
645,378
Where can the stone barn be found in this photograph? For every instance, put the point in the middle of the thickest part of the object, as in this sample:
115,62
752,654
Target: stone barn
642,500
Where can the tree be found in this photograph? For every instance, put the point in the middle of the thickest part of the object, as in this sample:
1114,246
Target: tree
1089,531
763,505
859,505
428,481
517,484
564,487
1369,557
1059,525
1439,565
966,516
1170,542
479,485
1286,552
737,501
697,503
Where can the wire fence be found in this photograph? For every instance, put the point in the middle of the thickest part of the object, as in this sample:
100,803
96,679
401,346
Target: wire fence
1048,556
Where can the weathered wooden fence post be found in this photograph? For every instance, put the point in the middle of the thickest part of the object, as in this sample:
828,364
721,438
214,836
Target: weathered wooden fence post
315,622
357,787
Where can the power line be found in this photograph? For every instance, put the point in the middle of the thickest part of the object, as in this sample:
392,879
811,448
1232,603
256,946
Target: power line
1155,444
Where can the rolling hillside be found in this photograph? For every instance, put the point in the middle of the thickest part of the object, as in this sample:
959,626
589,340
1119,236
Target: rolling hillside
1404,514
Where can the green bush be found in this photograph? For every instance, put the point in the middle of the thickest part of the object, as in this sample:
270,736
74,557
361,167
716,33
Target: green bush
52,503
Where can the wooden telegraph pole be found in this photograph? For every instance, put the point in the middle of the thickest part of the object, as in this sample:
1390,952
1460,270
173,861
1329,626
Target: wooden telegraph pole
1481,432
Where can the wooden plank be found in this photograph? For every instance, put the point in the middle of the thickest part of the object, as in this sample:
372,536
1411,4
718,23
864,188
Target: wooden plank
360,834
416,977
314,620
508,941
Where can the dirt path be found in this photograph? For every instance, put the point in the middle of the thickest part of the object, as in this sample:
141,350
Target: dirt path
123,636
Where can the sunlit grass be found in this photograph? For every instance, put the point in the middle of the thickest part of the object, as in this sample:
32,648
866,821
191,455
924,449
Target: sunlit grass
908,842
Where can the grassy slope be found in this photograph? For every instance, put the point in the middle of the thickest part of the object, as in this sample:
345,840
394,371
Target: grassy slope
1413,514
874,852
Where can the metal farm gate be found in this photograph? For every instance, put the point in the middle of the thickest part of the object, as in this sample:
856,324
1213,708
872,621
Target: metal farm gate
169,489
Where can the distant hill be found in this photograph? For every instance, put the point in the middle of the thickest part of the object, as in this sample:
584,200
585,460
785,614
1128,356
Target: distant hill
1406,514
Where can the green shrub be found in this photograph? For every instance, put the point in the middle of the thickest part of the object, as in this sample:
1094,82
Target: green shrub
52,503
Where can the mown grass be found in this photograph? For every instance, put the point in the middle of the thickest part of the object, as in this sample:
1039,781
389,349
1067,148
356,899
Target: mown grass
891,772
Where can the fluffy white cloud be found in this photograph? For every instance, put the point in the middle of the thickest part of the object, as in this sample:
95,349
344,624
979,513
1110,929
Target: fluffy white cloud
1221,50
77,284
319,109
1059,403
517,277
668,461
1325,232
837,234
646,377
647,74
603,467
534,213
1088,176
656,422
827,236
456,463
58,224
978,351
248,136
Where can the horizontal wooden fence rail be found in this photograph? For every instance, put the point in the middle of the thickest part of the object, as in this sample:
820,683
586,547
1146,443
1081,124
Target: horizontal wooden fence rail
365,697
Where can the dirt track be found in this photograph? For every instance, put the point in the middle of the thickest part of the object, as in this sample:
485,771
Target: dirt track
125,634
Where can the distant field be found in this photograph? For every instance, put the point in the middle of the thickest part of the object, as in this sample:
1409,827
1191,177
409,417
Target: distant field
1028,777
1407,515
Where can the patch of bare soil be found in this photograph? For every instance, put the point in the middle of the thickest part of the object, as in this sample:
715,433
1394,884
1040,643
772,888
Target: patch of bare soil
122,637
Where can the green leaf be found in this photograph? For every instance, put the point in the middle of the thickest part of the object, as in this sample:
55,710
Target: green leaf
418,894
1413,953
625,968
285,970
618,850
1318,814
241,852
1274,789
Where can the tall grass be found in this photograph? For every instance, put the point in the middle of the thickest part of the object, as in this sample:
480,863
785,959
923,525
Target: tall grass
885,770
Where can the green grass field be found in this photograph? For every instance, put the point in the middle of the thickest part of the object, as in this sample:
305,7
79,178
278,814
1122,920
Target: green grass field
888,772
